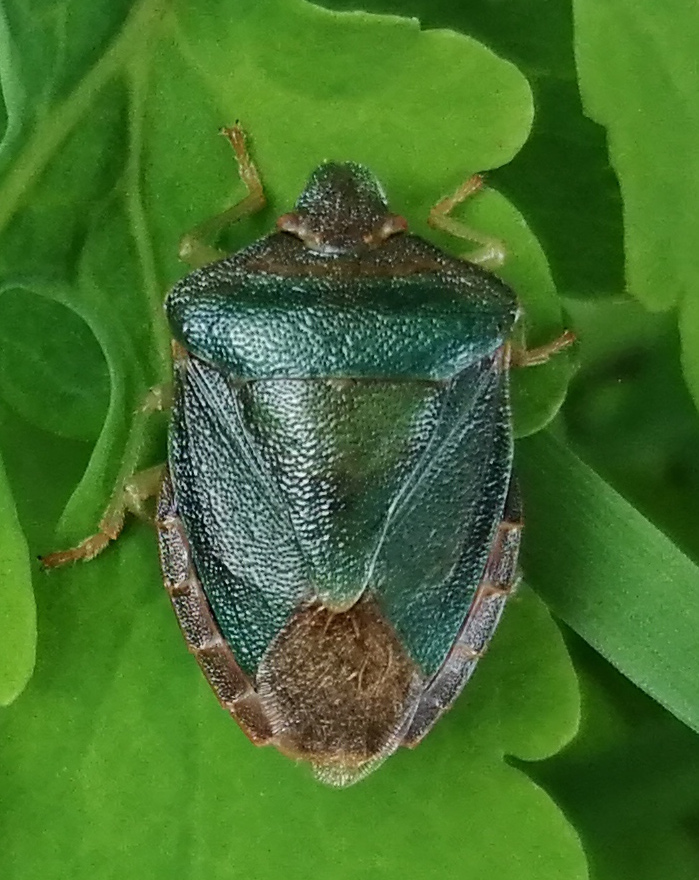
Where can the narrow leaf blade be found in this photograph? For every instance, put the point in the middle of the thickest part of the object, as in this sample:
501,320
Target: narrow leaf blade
611,575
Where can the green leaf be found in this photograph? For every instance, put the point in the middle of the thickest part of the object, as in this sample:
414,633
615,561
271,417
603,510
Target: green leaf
17,609
639,78
138,736
630,413
560,180
110,155
50,363
611,575
629,781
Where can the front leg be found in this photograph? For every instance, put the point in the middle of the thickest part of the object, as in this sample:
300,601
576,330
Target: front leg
196,246
491,252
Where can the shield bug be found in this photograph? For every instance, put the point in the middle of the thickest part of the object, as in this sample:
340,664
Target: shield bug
338,519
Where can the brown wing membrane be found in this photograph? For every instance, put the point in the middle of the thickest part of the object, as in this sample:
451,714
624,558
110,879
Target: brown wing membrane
341,688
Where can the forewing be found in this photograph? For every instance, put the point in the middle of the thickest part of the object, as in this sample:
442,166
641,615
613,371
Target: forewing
237,523
439,531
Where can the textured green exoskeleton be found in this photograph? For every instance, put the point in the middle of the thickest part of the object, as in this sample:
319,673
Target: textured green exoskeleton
339,527
338,520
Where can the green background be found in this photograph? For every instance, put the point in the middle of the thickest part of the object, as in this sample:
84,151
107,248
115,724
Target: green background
116,759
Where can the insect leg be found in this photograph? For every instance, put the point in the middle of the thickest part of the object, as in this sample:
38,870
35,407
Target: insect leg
132,488
532,357
491,252
193,248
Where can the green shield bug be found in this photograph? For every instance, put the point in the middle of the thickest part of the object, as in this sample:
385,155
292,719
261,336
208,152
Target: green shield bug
338,519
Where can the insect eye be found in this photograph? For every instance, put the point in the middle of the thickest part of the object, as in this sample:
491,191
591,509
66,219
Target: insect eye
392,224
297,225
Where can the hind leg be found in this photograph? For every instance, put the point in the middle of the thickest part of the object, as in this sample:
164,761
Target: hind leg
533,357
133,488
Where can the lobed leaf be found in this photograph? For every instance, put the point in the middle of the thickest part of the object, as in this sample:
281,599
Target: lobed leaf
560,180
110,155
638,77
